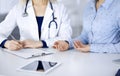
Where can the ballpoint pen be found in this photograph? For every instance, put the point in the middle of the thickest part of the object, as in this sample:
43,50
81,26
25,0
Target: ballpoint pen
41,54
12,37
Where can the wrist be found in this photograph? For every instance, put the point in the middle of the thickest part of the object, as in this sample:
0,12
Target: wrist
44,44
67,42
3,44
7,43
40,44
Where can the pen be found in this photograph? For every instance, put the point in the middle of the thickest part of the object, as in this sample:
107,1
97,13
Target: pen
12,37
42,54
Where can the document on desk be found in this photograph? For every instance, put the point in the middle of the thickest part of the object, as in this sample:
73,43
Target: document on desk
29,53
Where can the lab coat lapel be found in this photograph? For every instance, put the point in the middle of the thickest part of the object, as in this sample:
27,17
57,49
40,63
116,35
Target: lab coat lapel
33,26
46,21
47,16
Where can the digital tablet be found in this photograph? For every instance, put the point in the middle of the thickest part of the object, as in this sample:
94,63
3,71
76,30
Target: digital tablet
39,66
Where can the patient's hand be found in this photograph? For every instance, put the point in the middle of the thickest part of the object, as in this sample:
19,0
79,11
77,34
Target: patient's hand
81,47
32,44
61,45
13,45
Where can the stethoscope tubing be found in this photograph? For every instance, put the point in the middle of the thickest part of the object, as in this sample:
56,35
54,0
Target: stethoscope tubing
25,14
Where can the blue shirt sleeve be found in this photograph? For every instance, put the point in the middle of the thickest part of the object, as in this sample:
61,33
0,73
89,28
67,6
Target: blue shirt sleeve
3,43
44,44
105,48
83,38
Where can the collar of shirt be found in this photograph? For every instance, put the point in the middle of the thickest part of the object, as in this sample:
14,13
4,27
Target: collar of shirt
106,4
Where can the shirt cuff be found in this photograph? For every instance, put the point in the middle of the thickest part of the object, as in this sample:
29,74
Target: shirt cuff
3,43
44,44
67,41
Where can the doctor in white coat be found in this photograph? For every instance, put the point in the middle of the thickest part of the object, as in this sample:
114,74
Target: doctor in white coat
41,23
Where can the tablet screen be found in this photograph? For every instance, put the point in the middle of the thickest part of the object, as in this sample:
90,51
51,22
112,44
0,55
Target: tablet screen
39,66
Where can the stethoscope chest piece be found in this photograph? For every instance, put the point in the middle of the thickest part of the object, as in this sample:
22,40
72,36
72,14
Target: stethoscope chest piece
52,29
25,14
53,24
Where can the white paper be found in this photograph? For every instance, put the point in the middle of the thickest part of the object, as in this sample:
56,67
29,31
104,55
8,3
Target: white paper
28,53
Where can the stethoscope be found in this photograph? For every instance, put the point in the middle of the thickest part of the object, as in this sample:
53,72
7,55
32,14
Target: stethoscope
52,22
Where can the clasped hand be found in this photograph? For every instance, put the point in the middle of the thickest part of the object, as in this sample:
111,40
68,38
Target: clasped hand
17,45
63,46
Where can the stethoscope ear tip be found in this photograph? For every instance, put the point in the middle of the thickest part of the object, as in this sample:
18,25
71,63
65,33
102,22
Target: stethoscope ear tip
25,14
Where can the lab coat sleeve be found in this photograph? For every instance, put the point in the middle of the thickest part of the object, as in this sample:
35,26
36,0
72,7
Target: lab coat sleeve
65,30
8,25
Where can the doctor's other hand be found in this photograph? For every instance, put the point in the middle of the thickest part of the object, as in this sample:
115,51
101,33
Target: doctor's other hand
13,45
61,45
81,47
32,44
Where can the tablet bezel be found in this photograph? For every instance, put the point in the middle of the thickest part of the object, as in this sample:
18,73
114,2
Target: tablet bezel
45,72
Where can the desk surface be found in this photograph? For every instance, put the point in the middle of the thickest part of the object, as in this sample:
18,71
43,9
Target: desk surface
74,63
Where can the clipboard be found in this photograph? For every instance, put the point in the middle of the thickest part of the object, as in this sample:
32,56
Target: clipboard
29,53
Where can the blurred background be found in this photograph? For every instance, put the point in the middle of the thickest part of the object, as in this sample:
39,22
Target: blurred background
75,10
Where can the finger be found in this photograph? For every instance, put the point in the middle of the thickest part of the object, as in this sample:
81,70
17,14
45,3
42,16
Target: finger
81,44
75,44
54,46
25,42
30,46
14,48
79,49
56,43
78,43
20,42
19,45
60,48
64,48
27,46
82,50
14,43
57,47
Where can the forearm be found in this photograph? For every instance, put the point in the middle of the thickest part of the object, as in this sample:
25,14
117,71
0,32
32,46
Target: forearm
50,42
105,48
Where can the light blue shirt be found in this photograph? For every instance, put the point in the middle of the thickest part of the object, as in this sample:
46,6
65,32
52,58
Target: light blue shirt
101,28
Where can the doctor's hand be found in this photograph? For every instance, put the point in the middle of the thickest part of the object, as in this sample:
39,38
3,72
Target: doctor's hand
81,47
13,45
61,45
32,44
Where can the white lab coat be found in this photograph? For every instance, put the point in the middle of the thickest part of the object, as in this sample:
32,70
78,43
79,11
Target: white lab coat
29,28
